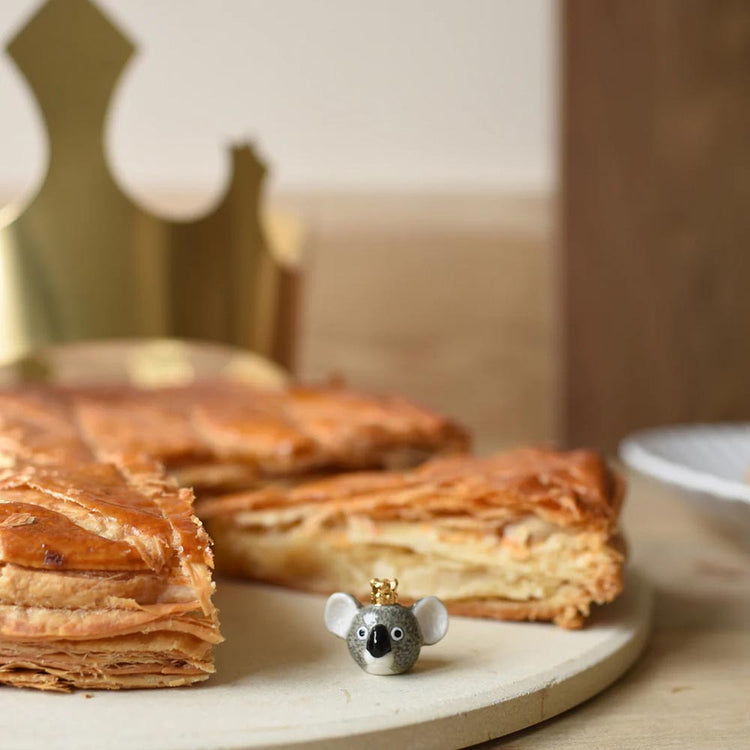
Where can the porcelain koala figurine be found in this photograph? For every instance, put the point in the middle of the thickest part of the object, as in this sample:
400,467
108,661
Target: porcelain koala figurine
384,637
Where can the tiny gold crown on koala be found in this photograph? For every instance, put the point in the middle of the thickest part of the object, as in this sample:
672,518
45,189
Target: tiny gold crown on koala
384,591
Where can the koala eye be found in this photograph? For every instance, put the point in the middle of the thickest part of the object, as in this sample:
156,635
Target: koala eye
362,633
397,634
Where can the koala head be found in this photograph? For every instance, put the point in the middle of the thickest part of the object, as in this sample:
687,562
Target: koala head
386,638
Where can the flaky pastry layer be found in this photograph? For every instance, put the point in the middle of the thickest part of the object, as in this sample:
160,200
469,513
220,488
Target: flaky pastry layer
527,535
105,572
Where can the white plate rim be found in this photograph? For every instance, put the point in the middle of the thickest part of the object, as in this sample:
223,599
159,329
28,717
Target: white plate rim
634,452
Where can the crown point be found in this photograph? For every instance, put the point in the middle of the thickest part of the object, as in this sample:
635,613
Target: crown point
384,591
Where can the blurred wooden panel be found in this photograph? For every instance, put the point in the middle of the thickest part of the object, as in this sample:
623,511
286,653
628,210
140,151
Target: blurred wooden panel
446,298
656,214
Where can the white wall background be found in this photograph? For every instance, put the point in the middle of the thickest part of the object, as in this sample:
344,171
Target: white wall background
386,94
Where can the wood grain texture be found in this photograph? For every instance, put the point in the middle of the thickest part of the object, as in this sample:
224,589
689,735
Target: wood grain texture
656,227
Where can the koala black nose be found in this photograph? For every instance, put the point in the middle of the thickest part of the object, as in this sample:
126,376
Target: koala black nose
379,642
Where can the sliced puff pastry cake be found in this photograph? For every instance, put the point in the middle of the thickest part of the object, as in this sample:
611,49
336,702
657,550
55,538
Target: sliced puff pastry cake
105,573
526,535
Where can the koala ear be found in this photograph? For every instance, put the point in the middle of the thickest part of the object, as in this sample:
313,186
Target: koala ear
432,617
340,610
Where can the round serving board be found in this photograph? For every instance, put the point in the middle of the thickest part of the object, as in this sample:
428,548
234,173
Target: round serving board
283,680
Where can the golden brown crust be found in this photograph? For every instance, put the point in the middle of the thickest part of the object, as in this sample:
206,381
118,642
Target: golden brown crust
95,552
573,488
530,534
269,432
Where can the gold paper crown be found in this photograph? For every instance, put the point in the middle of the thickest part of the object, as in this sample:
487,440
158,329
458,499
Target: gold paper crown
81,260
384,590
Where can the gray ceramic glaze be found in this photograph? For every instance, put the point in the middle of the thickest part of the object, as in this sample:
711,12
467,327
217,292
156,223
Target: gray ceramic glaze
386,639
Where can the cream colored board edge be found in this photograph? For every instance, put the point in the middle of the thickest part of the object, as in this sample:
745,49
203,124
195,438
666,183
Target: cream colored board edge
484,718
283,680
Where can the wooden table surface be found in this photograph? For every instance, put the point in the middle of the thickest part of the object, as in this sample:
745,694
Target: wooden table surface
691,687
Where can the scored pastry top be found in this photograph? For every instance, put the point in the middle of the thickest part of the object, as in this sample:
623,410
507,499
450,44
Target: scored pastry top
276,431
64,507
573,488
